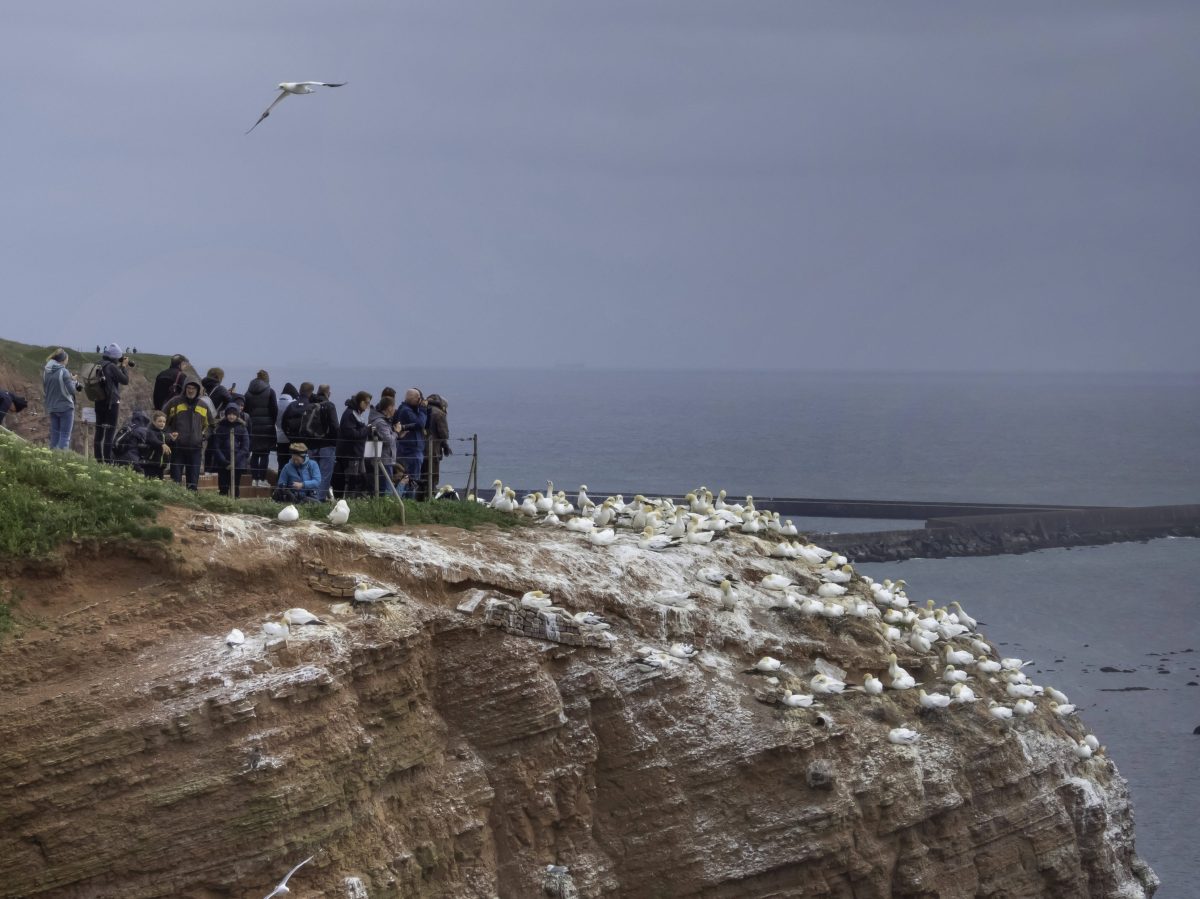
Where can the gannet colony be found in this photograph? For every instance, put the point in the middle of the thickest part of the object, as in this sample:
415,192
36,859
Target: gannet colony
613,699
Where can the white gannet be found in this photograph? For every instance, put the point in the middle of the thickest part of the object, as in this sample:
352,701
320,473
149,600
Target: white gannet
933,700
1083,750
903,736
1013,664
297,617
797,700
671,597
901,679
728,596
282,888
605,537
294,87
582,501
1021,691
545,503
830,591
1062,709
919,640
235,638
775,582
1000,712
683,650
275,628
824,685
535,599
340,513
872,685
653,541
365,593
288,513
1091,741
580,525
962,693
768,664
590,619
959,657
986,665
788,529
528,506
832,610
1023,708
963,617
1057,695
691,535
952,675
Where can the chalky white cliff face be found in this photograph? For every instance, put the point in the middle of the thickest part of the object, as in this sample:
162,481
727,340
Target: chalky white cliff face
529,698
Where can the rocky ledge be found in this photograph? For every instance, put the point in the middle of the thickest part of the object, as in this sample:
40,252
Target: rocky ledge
454,741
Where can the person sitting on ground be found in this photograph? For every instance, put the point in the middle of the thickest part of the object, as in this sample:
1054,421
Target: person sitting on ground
156,451
351,446
230,444
191,416
412,416
169,382
299,479
115,367
59,387
379,419
262,411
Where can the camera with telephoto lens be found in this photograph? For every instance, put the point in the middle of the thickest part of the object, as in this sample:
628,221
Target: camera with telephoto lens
129,362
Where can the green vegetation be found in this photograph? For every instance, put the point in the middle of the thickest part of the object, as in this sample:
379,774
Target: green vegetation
48,497
28,360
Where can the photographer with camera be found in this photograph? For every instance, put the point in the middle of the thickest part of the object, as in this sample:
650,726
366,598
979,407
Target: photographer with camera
114,365
59,387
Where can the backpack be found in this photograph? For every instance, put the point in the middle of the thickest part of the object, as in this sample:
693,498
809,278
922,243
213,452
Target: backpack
125,440
303,421
95,387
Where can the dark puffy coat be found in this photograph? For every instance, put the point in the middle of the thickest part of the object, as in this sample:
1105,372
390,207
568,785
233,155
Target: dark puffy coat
262,411
217,392
220,444
129,445
329,416
352,434
114,377
168,384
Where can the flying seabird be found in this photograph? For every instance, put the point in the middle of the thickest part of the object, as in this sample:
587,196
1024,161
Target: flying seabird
282,889
294,87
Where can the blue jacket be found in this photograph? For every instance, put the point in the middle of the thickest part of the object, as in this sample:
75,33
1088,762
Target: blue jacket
220,444
308,474
411,444
58,387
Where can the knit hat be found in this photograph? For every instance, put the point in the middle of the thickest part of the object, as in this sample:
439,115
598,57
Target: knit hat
234,407
298,449
113,351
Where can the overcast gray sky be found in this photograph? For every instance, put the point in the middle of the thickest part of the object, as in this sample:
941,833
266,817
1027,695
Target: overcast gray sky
693,184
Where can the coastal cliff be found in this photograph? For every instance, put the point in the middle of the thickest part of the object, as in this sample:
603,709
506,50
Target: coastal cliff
437,744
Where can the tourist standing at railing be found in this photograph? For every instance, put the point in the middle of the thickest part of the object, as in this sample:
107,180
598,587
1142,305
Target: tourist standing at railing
282,453
156,454
59,387
322,446
114,364
353,432
169,382
410,445
437,445
190,416
230,443
383,430
218,394
262,409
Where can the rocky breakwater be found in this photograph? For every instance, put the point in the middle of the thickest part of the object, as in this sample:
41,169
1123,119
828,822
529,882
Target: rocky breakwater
458,737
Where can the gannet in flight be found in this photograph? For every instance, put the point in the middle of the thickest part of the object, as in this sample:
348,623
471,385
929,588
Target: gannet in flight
294,87
282,889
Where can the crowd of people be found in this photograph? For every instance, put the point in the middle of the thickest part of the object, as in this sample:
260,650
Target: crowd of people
393,445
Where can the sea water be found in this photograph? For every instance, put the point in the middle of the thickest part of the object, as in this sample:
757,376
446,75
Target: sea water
1078,439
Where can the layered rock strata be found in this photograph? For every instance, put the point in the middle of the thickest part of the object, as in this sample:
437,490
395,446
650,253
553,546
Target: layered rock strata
416,749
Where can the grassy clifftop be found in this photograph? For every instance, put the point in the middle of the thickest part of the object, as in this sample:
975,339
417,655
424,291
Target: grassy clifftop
25,360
